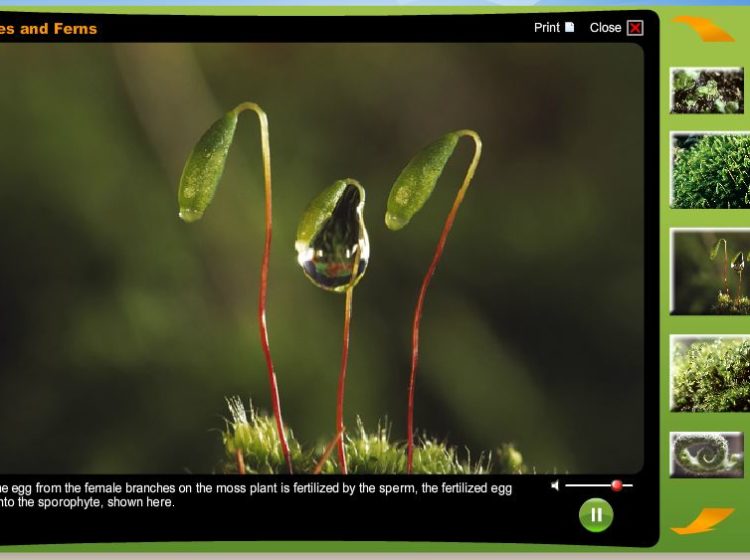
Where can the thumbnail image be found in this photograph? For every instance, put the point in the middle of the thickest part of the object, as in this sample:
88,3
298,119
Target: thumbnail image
710,373
710,170
707,455
133,341
708,90
708,271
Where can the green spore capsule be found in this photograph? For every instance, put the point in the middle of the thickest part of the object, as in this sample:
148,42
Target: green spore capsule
715,250
204,168
332,241
416,182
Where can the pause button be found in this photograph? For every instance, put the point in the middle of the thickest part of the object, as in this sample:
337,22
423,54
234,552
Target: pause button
596,515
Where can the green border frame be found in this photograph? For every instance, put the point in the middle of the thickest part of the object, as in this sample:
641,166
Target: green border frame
682,500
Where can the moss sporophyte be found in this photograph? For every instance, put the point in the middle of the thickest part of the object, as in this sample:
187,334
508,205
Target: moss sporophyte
200,177
738,265
333,250
714,253
409,193
726,304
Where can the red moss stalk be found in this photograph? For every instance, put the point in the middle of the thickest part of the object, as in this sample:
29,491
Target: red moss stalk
423,292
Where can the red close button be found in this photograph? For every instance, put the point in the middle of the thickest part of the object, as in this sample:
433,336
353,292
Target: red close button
635,27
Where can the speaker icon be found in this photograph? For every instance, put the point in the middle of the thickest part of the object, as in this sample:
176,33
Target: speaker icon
555,485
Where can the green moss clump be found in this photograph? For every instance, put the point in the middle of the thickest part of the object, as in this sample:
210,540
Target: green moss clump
712,376
727,305
257,439
254,435
375,453
713,172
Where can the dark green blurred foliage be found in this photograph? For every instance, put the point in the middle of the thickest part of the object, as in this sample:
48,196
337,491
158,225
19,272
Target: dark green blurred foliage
123,329
698,281
712,376
713,172
708,91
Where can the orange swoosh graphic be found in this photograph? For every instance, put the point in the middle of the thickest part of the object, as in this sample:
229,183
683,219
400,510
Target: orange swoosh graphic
707,29
705,521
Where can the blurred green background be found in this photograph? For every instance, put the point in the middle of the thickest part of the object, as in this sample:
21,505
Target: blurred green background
122,329
696,279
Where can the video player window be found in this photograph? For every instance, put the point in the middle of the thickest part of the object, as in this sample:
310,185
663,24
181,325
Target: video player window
148,357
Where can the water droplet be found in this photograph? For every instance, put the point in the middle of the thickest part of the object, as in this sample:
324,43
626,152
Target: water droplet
738,264
339,246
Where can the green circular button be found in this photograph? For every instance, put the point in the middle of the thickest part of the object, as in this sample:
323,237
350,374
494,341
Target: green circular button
596,515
